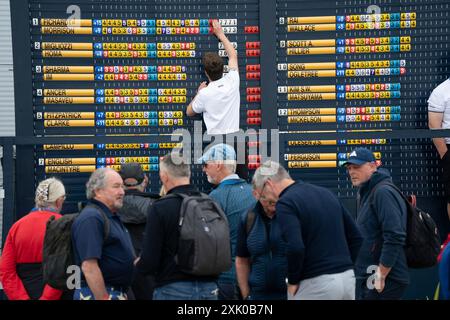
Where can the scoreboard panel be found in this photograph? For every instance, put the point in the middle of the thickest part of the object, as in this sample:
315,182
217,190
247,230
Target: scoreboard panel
108,68
350,66
129,68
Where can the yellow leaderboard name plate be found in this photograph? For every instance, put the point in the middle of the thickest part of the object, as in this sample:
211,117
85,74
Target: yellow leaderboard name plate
69,123
311,164
311,66
311,119
306,20
66,46
307,51
310,43
68,115
311,111
67,54
310,156
66,22
68,100
68,69
66,30
69,169
307,143
311,27
69,161
302,89
50,147
311,96
311,74
69,92
68,77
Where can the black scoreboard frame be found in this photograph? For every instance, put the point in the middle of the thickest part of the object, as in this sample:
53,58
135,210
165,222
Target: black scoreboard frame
25,162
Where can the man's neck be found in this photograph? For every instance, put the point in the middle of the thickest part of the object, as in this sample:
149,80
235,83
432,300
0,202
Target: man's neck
176,183
222,175
113,210
284,184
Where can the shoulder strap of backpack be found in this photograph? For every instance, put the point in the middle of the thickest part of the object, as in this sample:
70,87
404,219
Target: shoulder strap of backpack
371,196
184,197
251,216
106,224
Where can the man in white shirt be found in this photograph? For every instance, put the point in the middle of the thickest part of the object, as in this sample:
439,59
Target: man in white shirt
219,101
439,118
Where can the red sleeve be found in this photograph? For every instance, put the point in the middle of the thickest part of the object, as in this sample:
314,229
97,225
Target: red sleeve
12,285
50,293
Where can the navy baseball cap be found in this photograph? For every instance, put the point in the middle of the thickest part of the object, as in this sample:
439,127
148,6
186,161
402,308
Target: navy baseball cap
218,152
360,156
134,171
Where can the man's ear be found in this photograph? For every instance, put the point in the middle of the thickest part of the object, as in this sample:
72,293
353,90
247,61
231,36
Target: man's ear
255,194
163,176
374,166
145,182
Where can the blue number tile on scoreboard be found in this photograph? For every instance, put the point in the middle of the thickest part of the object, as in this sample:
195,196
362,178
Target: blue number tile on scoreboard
342,156
100,115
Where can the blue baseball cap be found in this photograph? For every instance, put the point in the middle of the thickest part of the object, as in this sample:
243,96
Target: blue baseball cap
218,152
360,156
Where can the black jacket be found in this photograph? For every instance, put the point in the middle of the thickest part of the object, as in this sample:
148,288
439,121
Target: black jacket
161,240
133,214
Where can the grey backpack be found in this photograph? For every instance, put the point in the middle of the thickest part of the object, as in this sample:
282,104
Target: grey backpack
204,243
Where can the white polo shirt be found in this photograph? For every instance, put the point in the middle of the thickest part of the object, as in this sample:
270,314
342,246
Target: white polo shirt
439,101
220,104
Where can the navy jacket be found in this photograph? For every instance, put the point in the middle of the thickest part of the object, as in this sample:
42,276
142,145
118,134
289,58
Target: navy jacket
267,250
322,237
382,222
115,255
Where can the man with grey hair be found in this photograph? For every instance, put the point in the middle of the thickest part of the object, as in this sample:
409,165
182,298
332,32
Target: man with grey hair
235,197
322,239
101,243
161,240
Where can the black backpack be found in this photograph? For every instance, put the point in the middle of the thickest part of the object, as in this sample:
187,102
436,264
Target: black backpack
422,237
204,243
57,255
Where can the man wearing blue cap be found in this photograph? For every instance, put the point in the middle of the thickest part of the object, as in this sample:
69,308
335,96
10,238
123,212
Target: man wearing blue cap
381,218
235,197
